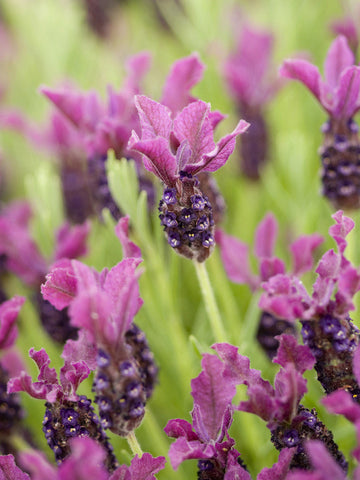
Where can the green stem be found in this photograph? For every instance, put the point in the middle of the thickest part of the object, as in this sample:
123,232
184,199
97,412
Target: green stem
210,302
134,444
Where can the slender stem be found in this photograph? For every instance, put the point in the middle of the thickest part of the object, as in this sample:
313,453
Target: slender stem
210,302
134,444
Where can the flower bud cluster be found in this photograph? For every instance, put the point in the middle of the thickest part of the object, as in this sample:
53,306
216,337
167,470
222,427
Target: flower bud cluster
306,426
340,158
122,386
66,420
187,220
333,341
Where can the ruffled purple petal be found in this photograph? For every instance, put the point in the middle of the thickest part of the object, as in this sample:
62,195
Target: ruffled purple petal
280,469
290,387
323,462
342,403
144,468
71,241
347,94
71,375
184,74
302,250
341,229
290,352
9,311
82,349
122,232
303,71
180,428
157,157
9,470
212,395
182,450
339,57
224,148
86,461
155,118
260,403
265,236
60,286
269,267
235,258
193,125
36,463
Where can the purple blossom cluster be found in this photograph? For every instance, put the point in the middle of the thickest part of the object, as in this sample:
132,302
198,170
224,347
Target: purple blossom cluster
109,373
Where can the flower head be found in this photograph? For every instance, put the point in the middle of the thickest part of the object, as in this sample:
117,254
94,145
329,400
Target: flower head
338,93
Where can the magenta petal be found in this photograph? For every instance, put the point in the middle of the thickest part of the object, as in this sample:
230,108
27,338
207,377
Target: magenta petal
145,467
339,57
342,403
265,236
269,267
24,383
193,125
60,286
290,351
280,469
122,288
155,118
347,94
259,403
302,250
182,450
122,232
68,101
71,241
10,471
323,461
184,74
224,148
180,428
235,258
137,66
157,158
36,463
9,311
341,229
303,71
81,349
290,387
212,393
86,461
71,375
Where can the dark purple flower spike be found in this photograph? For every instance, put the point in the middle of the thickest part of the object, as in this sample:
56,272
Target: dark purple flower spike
339,97
248,76
326,326
176,150
67,414
104,305
236,260
290,423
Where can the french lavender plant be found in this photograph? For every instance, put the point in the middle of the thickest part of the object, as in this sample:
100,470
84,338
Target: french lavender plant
338,95
236,260
23,258
176,151
326,325
104,305
67,415
247,72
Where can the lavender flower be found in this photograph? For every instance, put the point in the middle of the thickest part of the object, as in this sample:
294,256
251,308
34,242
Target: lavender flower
104,304
236,260
176,151
251,85
290,423
339,97
326,325
67,414
23,258
207,439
